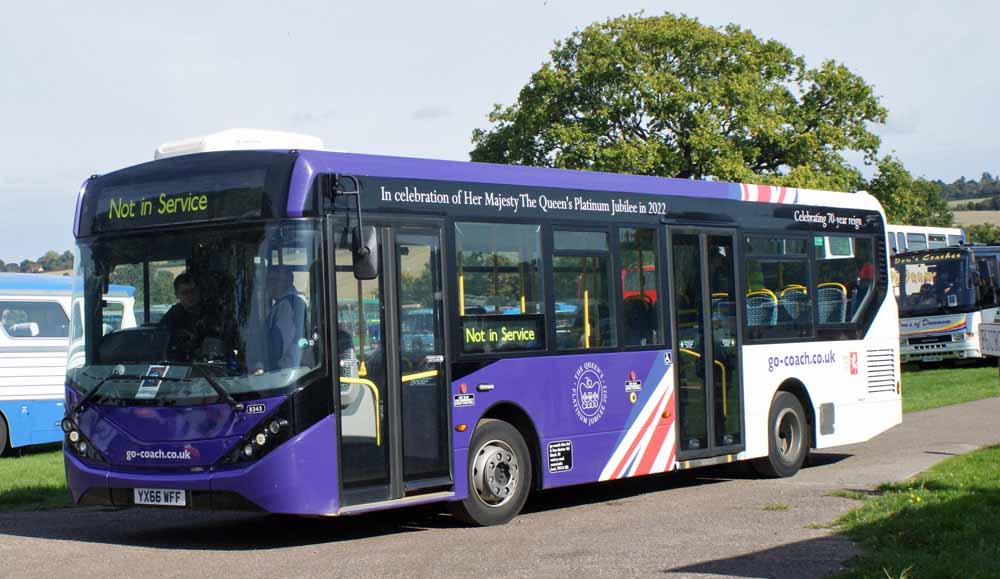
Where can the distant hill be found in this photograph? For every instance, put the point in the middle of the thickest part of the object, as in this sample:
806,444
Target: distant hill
985,187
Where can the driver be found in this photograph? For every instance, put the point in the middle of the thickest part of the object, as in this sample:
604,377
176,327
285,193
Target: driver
188,321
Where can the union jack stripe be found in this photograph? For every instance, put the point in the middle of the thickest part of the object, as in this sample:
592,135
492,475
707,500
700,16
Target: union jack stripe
769,194
649,445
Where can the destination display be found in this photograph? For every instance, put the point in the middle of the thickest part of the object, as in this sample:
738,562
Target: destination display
494,333
515,201
239,194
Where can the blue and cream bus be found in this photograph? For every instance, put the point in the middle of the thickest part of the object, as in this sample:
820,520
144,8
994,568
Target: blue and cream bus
467,334
34,340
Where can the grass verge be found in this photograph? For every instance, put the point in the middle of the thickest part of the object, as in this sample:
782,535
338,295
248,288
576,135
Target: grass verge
943,523
931,388
35,480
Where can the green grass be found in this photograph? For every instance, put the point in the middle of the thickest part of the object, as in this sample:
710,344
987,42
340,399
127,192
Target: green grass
943,523
934,387
33,481
776,507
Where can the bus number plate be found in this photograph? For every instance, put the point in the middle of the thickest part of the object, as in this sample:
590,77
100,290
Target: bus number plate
160,497
932,358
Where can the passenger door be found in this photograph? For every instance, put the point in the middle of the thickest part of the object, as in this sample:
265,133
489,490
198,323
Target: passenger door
706,321
393,415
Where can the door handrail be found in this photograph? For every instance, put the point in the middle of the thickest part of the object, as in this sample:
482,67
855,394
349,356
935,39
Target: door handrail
419,375
374,390
725,397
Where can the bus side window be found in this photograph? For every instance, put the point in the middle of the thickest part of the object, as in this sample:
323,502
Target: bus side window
581,267
640,287
987,281
777,301
892,243
500,298
33,319
916,241
844,284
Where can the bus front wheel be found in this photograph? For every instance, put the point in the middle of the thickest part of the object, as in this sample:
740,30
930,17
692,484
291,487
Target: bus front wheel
787,438
499,475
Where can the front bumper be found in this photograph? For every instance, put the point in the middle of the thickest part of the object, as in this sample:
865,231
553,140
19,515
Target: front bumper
299,477
940,351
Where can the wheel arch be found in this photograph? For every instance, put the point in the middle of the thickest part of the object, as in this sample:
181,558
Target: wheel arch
795,387
5,432
516,416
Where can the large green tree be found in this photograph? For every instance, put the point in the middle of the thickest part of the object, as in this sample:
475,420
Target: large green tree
669,96
907,200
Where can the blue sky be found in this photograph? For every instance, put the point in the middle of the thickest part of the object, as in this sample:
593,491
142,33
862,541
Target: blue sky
89,87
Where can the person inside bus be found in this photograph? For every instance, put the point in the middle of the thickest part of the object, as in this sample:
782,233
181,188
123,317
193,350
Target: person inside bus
926,297
285,321
188,322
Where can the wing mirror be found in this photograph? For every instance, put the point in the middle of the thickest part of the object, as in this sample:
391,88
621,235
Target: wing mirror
364,246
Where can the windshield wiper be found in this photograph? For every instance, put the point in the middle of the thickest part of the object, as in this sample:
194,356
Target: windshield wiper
82,404
219,389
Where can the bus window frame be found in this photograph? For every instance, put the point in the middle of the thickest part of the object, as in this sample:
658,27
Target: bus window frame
614,293
662,317
853,330
743,236
858,329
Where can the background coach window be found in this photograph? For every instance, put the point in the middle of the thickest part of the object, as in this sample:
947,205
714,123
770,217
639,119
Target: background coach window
500,301
778,303
581,267
640,287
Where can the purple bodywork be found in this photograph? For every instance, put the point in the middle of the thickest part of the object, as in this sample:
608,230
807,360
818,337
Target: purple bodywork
608,406
311,163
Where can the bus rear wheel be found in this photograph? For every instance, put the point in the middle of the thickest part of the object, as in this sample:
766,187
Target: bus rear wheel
787,438
499,475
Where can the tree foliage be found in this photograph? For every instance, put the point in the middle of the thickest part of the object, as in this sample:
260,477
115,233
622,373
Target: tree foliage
983,233
907,200
672,97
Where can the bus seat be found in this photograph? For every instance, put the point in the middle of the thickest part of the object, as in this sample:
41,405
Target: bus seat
794,304
831,302
640,323
762,308
24,330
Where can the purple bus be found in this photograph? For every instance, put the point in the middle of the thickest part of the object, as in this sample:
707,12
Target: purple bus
326,333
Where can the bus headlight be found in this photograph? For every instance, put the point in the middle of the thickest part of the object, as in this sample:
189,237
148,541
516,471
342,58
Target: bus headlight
78,443
264,437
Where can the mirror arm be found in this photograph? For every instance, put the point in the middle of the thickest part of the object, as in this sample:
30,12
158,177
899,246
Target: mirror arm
337,190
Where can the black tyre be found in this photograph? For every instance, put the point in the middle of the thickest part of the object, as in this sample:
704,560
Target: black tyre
788,438
3,435
499,475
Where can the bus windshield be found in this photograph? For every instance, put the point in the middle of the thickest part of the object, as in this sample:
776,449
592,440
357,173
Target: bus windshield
239,304
932,284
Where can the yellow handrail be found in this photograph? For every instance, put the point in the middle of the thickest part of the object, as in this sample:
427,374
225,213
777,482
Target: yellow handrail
834,284
586,319
763,292
725,390
374,390
461,295
794,288
419,375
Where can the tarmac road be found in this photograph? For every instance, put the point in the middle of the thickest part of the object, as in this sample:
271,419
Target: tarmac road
705,523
